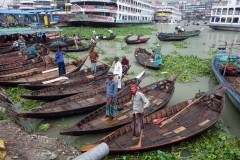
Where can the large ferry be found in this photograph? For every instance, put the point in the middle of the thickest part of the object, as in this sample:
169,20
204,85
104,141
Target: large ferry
111,12
226,16
168,14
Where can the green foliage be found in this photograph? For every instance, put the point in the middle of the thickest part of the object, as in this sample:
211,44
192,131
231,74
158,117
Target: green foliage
100,51
119,31
192,65
15,94
212,52
108,58
123,47
181,44
64,127
213,46
44,127
2,115
33,127
203,43
131,73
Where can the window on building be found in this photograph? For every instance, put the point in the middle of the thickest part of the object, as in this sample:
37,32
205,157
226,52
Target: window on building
223,19
230,11
229,20
224,12
237,11
235,20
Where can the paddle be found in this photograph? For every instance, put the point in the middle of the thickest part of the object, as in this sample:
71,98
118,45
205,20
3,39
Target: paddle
75,59
205,94
228,58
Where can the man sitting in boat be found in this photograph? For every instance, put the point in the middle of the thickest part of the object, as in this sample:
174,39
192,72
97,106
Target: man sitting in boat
125,63
157,57
32,50
92,42
111,32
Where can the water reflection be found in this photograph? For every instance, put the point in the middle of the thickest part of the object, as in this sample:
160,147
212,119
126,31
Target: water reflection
198,45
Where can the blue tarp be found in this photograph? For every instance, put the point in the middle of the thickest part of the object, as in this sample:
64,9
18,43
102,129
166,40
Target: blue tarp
4,11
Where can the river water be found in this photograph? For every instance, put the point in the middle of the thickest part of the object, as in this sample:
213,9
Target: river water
199,46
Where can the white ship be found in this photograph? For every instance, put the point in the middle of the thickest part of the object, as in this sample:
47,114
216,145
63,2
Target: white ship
168,14
226,16
111,12
35,4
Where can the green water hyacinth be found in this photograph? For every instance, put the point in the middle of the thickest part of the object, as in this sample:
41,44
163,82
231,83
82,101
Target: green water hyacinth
119,31
191,64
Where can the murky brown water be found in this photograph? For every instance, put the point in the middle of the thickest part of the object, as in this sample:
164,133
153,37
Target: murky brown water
199,46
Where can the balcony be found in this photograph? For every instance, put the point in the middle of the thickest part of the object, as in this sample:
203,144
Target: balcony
26,1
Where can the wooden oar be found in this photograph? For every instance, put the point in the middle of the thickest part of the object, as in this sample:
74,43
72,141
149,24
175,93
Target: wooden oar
215,89
75,59
228,59
103,63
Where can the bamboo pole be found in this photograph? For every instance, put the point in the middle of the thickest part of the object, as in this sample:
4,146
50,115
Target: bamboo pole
228,58
169,120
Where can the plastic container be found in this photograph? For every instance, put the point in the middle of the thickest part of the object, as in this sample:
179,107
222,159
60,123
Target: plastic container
141,39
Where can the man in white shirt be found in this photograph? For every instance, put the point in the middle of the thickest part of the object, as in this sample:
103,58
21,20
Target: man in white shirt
140,102
75,38
111,32
118,72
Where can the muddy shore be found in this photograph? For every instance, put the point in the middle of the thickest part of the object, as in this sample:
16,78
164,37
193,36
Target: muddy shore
20,144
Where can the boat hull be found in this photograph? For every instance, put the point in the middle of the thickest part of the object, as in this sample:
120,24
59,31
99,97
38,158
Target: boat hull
225,28
233,96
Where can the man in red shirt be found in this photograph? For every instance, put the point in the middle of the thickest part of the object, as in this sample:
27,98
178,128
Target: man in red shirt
125,63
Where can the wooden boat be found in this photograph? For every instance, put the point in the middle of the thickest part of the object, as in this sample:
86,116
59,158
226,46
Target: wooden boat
14,59
39,65
70,79
78,103
171,38
159,96
11,54
9,49
182,34
31,76
108,38
184,120
83,82
20,64
145,58
142,40
231,77
80,49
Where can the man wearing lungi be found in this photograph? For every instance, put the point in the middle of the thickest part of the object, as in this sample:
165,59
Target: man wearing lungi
59,57
139,103
111,106
118,72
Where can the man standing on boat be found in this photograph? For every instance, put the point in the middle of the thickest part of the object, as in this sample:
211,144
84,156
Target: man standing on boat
94,34
118,72
139,103
157,57
59,57
111,106
93,57
22,45
44,50
111,32
75,38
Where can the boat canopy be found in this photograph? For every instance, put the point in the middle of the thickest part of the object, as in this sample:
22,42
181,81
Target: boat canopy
27,31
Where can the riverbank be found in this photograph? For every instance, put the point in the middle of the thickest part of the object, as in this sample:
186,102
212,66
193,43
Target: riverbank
21,144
